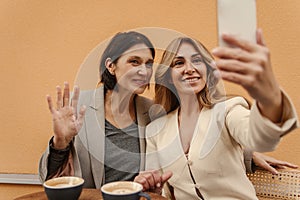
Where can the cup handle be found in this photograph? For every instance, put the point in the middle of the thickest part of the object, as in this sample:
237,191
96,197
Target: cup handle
143,194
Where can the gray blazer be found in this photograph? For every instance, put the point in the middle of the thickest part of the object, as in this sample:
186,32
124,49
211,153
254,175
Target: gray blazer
87,150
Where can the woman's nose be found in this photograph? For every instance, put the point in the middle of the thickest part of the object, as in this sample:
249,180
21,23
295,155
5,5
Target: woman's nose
189,68
142,70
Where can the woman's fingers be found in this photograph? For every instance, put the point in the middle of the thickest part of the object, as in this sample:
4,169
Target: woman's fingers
283,164
74,100
166,176
66,95
259,37
290,165
236,41
63,98
143,181
248,64
152,180
233,54
234,66
50,103
240,73
58,98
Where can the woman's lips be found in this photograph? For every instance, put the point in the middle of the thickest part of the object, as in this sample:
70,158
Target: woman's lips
191,79
140,82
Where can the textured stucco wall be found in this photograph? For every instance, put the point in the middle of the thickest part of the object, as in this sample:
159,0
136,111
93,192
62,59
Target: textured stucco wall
43,43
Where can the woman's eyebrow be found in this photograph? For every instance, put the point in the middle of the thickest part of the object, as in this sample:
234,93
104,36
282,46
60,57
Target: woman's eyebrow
179,57
134,57
196,54
140,58
192,56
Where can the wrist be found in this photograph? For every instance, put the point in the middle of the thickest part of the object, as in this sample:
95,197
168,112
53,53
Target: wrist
272,109
60,143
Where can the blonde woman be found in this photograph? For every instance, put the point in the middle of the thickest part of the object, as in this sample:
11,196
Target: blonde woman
201,138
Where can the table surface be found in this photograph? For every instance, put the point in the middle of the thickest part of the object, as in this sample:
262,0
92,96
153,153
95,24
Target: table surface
86,194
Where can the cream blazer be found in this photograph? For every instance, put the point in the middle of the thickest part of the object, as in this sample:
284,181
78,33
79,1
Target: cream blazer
87,151
215,156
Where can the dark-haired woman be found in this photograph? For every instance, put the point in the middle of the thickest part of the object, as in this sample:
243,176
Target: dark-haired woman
104,140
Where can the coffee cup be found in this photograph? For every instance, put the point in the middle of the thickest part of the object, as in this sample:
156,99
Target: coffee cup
123,190
61,188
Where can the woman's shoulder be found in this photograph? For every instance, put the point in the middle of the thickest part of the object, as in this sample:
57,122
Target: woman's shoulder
237,101
91,96
162,121
230,103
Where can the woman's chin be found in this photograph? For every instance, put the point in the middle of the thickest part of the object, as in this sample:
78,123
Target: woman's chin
140,90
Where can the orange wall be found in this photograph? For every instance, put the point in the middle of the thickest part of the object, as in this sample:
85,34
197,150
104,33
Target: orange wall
43,43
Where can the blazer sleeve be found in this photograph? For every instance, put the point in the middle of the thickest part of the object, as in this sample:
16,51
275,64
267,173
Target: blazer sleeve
248,161
254,131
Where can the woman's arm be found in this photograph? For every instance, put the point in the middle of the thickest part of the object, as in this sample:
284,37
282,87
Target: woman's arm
57,159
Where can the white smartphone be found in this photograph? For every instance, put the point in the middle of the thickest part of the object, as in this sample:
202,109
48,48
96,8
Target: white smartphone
237,17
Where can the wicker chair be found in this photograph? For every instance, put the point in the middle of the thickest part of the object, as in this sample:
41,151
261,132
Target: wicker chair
285,185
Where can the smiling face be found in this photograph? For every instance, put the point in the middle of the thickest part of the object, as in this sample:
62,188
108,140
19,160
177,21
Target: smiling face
133,69
188,70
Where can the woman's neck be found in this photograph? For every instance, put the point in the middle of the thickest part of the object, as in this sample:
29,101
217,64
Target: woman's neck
119,108
188,114
189,105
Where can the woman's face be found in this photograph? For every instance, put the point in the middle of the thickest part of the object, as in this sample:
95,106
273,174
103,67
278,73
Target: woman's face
189,71
134,69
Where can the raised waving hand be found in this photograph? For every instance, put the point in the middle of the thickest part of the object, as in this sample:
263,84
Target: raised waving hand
66,121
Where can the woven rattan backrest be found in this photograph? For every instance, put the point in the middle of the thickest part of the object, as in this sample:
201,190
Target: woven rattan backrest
284,185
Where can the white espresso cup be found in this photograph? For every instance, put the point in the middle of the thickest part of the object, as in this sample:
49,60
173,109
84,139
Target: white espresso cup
118,190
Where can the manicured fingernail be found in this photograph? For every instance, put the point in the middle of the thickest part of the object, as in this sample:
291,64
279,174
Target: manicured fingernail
158,185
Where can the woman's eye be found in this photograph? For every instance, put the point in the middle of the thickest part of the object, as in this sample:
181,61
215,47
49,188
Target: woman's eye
178,63
197,61
149,64
134,62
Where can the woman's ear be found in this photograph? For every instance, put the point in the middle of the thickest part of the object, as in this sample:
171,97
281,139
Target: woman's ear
110,66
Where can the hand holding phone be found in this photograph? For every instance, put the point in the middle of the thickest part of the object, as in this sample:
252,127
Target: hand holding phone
237,17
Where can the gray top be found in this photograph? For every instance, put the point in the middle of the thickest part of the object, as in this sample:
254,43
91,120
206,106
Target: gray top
122,157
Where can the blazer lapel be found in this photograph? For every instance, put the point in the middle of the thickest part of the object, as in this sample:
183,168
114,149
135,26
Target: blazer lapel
142,119
96,135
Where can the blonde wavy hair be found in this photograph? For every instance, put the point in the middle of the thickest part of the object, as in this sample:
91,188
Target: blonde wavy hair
165,91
